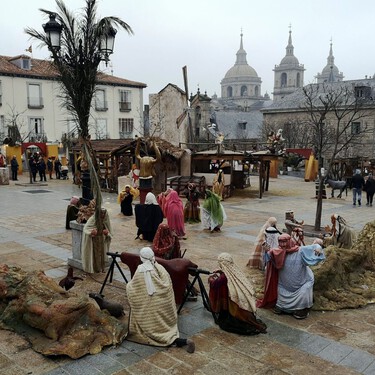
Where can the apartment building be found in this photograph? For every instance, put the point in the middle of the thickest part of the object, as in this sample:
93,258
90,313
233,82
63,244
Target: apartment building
31,104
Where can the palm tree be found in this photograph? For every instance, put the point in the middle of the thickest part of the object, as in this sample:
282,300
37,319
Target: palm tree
77,62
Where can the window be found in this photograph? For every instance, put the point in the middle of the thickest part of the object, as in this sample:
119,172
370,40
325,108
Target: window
72,127
298,83
284,79
256,91
243,91
101,128
363,92
2,128
356,127
100,100
34,99
126,126
229,92
26,64
242,125
36,130
125,100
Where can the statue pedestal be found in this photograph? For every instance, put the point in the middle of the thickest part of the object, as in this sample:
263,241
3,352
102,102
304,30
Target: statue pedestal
142,194
145,186
77,229
4,176
76,261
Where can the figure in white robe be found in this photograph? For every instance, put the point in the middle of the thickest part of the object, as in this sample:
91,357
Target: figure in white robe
94,256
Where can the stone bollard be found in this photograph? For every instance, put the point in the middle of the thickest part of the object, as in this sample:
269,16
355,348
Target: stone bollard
77,229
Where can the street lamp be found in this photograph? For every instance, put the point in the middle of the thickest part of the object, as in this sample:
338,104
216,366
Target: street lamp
107,43
53,31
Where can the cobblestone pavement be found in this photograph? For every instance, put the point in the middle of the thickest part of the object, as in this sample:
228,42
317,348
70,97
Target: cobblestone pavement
33,236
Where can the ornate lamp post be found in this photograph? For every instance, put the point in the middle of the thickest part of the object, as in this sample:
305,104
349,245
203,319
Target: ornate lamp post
53,32
78,43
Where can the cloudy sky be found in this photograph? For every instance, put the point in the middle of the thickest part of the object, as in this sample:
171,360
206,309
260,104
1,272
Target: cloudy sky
204,35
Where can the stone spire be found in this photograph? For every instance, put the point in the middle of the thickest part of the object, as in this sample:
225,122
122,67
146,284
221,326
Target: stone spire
330,58
330,72
289,73
241,54
289,47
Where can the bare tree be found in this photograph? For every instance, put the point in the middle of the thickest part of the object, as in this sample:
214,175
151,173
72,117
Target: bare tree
332,109
14,122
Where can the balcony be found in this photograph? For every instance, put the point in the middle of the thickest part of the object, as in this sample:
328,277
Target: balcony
125,106
126,135
101,106
38,137
35,103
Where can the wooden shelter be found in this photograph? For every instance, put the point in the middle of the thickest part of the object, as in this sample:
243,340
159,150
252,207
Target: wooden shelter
207,163
110,153
263,158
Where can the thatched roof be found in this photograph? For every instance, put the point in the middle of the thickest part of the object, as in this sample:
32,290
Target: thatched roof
118,146
105,145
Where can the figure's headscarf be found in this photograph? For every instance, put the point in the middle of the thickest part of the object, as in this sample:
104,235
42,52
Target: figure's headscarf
240,290
148,260
280,254
74,200
151,199
271,222
271,237
166,244
173,200
191,186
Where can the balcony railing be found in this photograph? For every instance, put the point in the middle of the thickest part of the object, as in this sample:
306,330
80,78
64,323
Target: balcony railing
101,106
37,137
126,135
125,106
35,103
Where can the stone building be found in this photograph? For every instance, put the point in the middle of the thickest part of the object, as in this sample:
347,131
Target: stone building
291,112
241,84
168,115
330,72
30,93
288,74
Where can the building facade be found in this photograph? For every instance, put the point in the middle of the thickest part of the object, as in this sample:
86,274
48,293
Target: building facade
30,101
352,112
168,117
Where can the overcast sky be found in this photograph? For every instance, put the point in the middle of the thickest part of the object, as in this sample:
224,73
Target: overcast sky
204,35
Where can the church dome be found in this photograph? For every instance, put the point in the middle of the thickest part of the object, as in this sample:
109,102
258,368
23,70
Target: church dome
289,60
241,71
241,68
327,70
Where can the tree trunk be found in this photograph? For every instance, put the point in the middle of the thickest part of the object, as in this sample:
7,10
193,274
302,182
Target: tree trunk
319,203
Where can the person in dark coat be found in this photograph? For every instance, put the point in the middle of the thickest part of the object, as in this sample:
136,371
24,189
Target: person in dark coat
42,169
14,167
33,167
358,183
369,189
148,216
58,168
50,167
